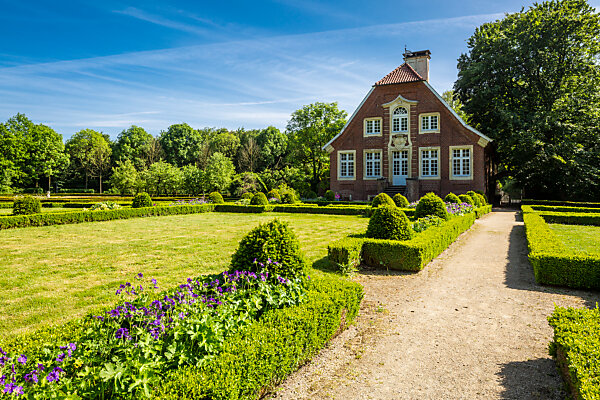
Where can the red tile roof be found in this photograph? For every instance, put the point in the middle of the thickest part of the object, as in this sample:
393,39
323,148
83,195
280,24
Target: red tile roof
403,74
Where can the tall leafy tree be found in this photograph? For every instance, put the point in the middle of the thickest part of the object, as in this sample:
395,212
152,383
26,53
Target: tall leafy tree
163,178
181,144
134,144
90,150
310,128
273,147
531,81
219,172
125,177
224,142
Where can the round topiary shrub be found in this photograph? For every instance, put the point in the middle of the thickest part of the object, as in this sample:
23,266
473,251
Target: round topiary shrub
329,195
465,198
431,204
274,194
311,195
275,246
382,199
482,199
215,197
400,201
388,222
485,199
247,196
26,205
141,200
475,198
259,199
452,198
289,198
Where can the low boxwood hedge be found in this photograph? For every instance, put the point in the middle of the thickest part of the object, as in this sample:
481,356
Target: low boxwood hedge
239,208
330,209
553,263
571,218
74,217
264,353
576,349
529,202
565,209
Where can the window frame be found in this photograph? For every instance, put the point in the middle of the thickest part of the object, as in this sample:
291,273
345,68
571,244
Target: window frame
451,163
339,165
428,116
407,116
372,151
365,123
439,157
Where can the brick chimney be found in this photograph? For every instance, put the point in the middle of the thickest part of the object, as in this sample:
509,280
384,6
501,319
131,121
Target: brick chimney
419,61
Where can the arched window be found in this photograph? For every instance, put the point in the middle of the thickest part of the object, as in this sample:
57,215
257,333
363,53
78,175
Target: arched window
400,120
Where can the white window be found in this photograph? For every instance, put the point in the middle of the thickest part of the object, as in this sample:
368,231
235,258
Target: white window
430,163
346,165
372,164
429,122
400,120
372,127
461,162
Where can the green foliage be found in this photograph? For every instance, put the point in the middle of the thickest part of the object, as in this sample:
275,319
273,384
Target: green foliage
246,209
311,195
330,195
565,209
465,198
425,222
288,194
313,209
136,146
259,199
382,199
388,222
193,180
431,204
560,203
476,199
274,241
571,218
576,349
90,151
345,254
26,205
532,85
247,195
141,200
453,101
246,182
274,194
482,199
273,147
485,199
181,144
219,172
452,198
124,178
162,178
105,205
216,198
400,201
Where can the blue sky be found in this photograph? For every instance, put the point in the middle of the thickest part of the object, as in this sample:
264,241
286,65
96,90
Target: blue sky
110,64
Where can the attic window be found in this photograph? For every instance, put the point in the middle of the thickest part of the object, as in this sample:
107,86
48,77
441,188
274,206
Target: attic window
400,120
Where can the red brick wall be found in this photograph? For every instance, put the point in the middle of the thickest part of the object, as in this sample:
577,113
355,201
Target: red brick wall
452,133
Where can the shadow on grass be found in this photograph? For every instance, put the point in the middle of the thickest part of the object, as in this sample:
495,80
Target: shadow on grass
532,379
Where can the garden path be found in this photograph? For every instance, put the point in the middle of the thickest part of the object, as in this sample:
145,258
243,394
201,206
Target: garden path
471,325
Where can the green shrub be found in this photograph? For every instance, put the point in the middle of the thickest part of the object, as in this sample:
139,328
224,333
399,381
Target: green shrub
289,198
274,194
273,241
216,198
259,199
388,222
141,200
329,195
240,208
314,209
465,198
485,199
311,195
400,201
247,195
345,254
475,198
430,204
452,198
423,223
382,199
571,218
26,205
560,203
562,209
482,200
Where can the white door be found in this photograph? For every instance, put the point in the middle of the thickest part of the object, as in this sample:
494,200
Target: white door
399,167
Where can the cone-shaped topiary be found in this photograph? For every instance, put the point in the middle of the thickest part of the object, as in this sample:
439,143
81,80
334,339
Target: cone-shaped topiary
141,200
215,197
382,199
247,195
329,195
465,198
274,194
275,246
481,198
26,205
431,204
452,198
259,199
400,201
484,197
475,198
388,222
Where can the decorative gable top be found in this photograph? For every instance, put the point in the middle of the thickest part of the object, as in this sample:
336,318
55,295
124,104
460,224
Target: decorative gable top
403,74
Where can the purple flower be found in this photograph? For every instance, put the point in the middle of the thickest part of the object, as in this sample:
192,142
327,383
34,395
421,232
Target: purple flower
41,367
122,333
22,359
139,276
11,388
54,376
61,357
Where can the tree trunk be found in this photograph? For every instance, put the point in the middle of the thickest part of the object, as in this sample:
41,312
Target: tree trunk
86,179
49,184
100,183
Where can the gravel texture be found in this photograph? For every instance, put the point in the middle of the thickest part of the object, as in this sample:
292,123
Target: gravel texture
471,325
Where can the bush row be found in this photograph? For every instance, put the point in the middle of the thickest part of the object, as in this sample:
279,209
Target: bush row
73,217
332,209
263,354
576,349
528,202
566,209
238,208
571,218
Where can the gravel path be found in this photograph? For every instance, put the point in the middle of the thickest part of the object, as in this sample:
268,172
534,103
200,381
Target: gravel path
471,325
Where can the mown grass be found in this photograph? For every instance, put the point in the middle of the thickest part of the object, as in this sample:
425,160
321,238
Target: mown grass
579,238
56,273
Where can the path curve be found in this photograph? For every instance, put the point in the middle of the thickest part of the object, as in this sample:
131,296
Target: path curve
471,325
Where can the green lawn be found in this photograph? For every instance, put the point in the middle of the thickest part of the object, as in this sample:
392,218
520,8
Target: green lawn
56,273
579,238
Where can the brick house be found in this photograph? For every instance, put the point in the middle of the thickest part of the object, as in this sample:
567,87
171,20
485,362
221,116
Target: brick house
404,138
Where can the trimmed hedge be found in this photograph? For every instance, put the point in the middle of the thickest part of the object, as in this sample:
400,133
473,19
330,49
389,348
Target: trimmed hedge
553,263
529,202
312,209
390,223
337,202
571,218
264,353
26,205
239,208
74,217
565,209
576,349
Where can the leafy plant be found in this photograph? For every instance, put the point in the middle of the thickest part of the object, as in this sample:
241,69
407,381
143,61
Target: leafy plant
400,201
274,194
452,198
247,196
259,199
105,205
216,198
431,204
329,195
141,200
388,222
475,197
423,223
26,205
465,198
382,199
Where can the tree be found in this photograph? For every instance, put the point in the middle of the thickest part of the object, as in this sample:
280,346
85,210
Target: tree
249,154
124,177
219,172
193,181
310,128
134,144
224,142
273,146
181,144
531,81
91,151
454,102
163,178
